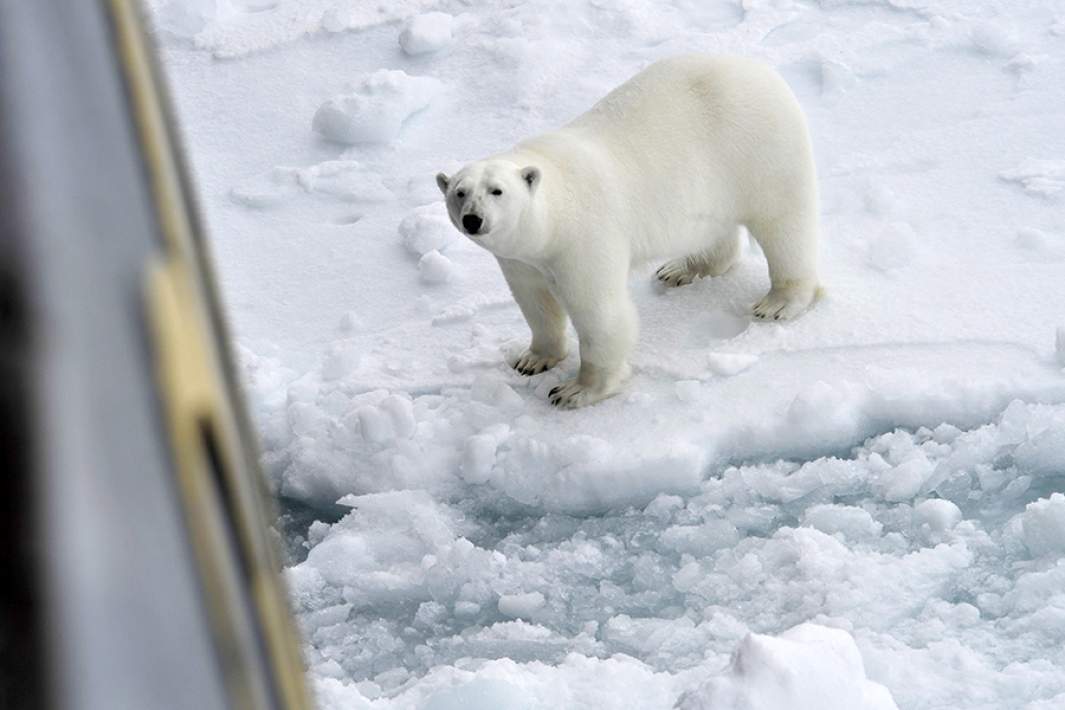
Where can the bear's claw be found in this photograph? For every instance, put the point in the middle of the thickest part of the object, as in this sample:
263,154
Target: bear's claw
676,273
785,303
530,363
572,394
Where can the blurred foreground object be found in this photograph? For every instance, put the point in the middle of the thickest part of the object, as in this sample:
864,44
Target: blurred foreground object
139,569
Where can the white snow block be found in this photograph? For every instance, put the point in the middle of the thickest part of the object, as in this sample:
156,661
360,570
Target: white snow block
1059,345
426,33
375,112
808,667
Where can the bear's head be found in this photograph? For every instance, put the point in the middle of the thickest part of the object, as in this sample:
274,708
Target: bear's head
488,201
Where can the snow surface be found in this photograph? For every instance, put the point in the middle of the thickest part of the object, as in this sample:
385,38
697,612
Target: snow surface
889,467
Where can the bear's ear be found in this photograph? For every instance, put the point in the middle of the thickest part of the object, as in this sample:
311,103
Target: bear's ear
442,181
531,176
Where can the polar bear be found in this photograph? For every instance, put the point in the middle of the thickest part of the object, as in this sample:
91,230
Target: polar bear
668,165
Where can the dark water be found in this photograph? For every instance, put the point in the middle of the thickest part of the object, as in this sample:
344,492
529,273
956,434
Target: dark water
293,519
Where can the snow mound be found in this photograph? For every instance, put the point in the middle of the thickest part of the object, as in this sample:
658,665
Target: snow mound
435,268
427,228
426,33
375,112
808,667
341,180
995,38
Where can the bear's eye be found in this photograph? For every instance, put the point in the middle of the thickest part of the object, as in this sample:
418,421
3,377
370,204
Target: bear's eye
460,194
497,192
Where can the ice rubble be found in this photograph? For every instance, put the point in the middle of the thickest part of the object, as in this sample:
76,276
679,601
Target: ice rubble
405,580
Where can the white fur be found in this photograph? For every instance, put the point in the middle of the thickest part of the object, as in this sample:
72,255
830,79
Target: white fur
668,165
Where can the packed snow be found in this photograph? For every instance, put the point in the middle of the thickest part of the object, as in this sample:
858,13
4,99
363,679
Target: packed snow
862,507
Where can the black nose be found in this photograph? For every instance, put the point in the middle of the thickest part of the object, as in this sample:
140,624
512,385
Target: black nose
472,223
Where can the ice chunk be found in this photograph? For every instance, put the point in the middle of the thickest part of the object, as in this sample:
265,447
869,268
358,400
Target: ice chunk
400,411
936,515
1043,454
809,667
375,112
377,552
663,507
426,33
1043,526
701,539
376,428
905,480
479,453
644,636
520,606
854,523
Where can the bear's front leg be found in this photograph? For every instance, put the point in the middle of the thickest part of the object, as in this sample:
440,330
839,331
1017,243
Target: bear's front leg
605,319
543,313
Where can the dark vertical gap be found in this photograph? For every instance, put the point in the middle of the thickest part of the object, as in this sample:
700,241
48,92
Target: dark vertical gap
21,645
226,496
230,509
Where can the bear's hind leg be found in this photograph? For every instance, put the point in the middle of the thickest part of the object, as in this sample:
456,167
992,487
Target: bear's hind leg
790,249
542,312
714,261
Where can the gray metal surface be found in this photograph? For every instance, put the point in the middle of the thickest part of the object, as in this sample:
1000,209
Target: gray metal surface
125,624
